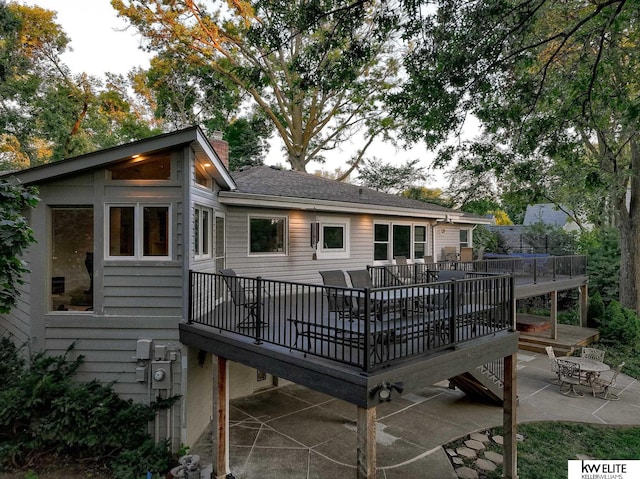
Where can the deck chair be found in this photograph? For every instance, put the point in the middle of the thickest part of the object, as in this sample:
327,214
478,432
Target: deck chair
554,363
605,381
338,302
570,375
428,259
243,298
592,353
404,270
450,253
466,255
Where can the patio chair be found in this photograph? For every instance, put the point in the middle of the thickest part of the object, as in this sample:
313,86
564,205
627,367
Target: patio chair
592,353
404,269
605,381
428,259
338,302
450,253
554,363
243,298
569,374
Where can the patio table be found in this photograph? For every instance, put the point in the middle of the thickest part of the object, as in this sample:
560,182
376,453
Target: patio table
591,367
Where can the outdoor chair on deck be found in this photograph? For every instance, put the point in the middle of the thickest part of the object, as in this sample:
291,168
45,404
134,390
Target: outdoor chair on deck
604,382
569,374
554,363
243,297
404,270
338,302
450,253
592,353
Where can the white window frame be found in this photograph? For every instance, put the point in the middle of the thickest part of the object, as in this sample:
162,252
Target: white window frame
199,165
199,232
285,239
466,244
138,245
412,239
334,253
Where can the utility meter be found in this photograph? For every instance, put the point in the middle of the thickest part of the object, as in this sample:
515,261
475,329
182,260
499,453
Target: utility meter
161,374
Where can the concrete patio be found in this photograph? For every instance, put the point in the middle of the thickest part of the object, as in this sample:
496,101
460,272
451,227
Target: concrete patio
295,432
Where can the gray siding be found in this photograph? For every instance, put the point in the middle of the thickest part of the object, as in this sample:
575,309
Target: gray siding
17,324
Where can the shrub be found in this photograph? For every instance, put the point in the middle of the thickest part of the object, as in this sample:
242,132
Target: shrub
595,311
43,410
620,325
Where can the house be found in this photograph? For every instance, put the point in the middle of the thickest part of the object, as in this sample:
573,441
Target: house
119,230
551,215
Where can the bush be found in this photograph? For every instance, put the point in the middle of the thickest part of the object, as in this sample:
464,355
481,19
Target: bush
44,411
595,310
620,325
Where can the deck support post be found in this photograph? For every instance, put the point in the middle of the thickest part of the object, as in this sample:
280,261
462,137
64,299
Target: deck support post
584,305
220,426
366,443
509,418
554,314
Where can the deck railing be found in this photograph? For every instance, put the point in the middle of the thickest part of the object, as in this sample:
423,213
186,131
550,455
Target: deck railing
525,270
364,328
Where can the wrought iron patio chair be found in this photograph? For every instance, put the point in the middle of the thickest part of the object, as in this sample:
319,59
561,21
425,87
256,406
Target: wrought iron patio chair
569,374
554,363
603,383
592,353
243,297
405,273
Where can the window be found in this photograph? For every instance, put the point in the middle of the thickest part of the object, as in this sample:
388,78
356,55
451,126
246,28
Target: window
419,241
138,231
392,240
202,233
202,176
71,260
334,238
380,242
156,166
267,235
402,241
464,238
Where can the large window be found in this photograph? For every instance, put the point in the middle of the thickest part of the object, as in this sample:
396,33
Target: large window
334,238
392,240
267,235
202,232
464,238
71,260
138,231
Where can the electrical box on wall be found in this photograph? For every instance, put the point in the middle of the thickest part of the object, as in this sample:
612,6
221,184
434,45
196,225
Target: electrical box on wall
143,349
141,374
161,375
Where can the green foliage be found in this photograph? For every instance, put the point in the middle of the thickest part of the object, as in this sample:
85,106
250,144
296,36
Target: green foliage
550,239
620,325
602,247
15,237
595,310
489,241
44,411
390,178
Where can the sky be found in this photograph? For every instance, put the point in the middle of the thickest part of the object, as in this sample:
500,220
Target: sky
101,42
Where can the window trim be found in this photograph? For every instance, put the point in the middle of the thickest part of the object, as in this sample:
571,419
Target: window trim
285,239
343,222
198,211
138,243
466,244
389,242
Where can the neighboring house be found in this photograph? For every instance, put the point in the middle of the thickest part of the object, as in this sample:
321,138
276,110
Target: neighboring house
118,231
551,215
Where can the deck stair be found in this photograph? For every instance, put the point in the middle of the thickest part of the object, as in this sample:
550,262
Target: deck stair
481,384
570,338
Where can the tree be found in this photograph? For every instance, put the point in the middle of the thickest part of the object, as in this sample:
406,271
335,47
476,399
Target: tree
317,70
193,94
15,237
428,195
389,178
555,84
46,112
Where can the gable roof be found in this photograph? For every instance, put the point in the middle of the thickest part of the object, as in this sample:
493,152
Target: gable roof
193,136
275,187
547,213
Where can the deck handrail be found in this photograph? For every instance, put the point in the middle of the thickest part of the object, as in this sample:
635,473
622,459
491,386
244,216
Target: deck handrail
526,270
372,328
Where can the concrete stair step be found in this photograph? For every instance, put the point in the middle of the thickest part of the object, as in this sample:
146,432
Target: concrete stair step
538,347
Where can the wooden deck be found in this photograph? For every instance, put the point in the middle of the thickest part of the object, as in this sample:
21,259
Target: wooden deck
569,339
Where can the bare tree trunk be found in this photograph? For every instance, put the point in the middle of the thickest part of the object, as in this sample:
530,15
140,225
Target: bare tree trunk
628,221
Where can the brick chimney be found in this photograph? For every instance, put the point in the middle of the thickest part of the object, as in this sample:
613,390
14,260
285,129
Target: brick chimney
221,147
